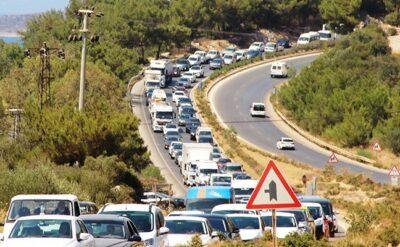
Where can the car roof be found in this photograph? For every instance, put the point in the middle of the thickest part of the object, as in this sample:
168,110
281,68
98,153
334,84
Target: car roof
48,217
258,103
103,217
313,199
311,204
67,197
189,212
244,215
284,214
234,206
127,207
248,183
185,217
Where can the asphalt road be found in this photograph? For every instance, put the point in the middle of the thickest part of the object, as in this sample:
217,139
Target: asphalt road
155,141
232,99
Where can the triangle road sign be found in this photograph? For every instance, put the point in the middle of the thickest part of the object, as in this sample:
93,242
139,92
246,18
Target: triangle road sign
333,159
376,147
394,172
272,191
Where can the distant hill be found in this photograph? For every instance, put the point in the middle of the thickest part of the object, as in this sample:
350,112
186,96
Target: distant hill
10,25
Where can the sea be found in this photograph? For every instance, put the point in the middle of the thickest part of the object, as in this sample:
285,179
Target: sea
15,40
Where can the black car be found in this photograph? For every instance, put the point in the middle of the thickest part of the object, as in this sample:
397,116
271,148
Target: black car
284,42
220,223
111,230
183,64
183,118
169,139
192,124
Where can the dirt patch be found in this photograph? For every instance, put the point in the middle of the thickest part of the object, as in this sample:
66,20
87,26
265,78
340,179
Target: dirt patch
207,44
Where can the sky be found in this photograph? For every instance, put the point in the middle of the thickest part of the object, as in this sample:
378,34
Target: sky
8,7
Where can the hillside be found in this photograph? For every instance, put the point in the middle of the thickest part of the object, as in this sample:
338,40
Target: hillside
350,94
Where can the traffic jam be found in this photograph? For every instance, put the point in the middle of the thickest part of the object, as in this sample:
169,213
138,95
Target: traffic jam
222,201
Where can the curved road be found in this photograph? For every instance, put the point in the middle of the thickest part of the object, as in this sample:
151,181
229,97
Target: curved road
232,98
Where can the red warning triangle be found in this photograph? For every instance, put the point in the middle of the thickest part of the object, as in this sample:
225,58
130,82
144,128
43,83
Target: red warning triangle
272,191
333,159
376,147
394,172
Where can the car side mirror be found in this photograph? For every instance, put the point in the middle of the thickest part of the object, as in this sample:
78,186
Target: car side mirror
164,230
214,234
135,238
84,236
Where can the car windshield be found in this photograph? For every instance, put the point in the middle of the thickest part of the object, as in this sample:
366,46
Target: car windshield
142,220
178,146
315,212
20,208
193,58
49,228
196,68
222,179
205,205
228,56
259,108
298,214
185,227
287,140
188,110
105,228
182,61
304,39
184,79
231,168
243,191
171,126
205,140
185,116
242,177
326,207
193,167
180,93
246,222
152,84
208,171
231,49
281,221
233,211
172,138
218,224
184,100
271,45
325,35
172,133
165,115
205,133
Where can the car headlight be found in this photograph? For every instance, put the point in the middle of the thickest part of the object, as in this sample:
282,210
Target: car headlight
149,242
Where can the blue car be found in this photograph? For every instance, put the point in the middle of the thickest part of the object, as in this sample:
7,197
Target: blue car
284,42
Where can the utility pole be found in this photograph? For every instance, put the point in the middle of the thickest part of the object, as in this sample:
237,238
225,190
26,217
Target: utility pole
16,113
84,14
44,80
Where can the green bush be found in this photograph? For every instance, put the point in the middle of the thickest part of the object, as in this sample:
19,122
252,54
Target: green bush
302,240
392,31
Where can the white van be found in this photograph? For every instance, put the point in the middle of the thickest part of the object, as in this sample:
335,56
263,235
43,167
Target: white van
257,110
307,38
161,115
28,205
326,35
220,179
279,69
243,189
204,171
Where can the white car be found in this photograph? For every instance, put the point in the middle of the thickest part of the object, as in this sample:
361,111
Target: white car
202,55
257,110
172,147
285,223
237,208
186,212
251,226
198,70
257,46
49,231
194,60
279,69
212,54
285,143
169,127
184,228
273,47
177,94
230,58
147,218
190,75
241,55
229,50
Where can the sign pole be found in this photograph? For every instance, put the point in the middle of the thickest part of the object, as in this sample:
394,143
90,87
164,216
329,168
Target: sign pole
274,227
